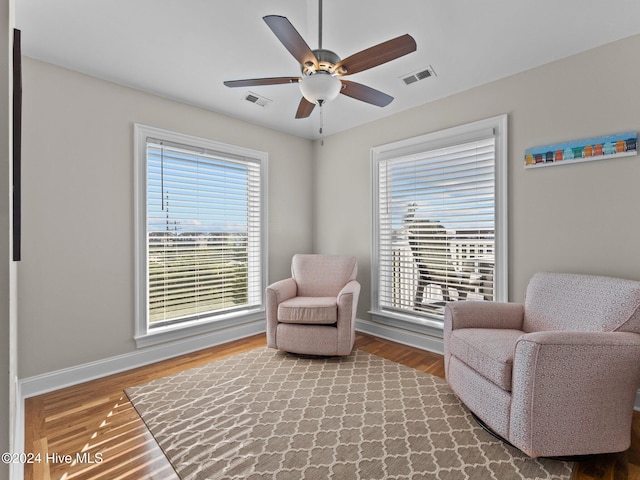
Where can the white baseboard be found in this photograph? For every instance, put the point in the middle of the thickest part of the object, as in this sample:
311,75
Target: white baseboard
66,377
16,470
405,337
50,381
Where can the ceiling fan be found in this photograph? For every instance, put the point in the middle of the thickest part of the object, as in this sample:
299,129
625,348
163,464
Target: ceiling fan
322,70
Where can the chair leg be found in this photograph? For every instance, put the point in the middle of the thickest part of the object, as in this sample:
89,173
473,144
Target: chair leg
570,458
487,429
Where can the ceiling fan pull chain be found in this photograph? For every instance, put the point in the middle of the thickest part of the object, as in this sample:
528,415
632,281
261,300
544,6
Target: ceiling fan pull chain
321,124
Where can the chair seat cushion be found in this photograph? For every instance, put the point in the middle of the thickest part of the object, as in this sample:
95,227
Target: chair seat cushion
488,351
309,310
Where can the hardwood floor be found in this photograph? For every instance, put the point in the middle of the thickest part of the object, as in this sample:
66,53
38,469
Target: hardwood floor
95,425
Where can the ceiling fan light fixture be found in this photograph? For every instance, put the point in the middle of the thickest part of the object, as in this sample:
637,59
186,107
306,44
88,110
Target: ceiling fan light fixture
320,87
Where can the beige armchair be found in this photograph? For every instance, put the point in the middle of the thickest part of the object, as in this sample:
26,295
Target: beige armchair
557,375
313,312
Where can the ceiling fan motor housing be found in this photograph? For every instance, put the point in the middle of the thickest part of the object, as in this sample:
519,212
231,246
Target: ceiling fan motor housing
327,61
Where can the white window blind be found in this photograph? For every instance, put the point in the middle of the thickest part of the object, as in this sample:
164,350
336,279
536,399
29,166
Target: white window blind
203,233
436,227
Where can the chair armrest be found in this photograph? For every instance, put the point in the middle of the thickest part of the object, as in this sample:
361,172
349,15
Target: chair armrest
479,314
347,305
277,293
574,382
351,288
348,301
282,290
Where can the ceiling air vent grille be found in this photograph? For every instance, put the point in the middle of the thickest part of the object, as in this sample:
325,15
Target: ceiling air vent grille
257,99
419,75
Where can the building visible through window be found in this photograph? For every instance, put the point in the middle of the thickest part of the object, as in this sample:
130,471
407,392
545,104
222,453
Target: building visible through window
435,222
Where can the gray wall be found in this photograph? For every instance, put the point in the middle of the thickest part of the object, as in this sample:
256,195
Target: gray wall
7,267
76,277
573,218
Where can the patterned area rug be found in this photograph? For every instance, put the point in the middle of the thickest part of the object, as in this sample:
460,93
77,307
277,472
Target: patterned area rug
265,414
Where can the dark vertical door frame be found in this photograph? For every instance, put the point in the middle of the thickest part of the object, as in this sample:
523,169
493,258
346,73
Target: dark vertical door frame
17,146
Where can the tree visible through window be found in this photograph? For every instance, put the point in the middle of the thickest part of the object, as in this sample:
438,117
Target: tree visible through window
437,202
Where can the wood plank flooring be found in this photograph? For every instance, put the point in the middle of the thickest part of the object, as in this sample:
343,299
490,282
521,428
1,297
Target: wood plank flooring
95,425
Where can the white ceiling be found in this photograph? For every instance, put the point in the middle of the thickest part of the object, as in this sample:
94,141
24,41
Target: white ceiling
185,49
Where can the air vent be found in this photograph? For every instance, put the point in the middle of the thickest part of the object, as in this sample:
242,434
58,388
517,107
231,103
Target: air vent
419,75
257,99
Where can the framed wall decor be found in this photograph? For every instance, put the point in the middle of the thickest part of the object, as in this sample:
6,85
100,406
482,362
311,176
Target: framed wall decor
586,150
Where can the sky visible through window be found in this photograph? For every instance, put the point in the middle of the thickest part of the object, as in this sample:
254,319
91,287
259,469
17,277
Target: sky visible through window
192,192
443,186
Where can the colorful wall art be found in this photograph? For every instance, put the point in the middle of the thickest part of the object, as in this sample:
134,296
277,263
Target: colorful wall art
597,148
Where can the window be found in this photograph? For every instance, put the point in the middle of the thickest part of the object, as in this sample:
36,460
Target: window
440,222
200,233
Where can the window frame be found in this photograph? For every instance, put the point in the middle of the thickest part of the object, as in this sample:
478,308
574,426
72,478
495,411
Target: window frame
144,335
430,141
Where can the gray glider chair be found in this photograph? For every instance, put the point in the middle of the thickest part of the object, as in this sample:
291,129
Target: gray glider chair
556,375
313,311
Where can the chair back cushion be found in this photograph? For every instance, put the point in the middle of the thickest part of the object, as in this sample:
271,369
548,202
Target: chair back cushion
322,275
581,303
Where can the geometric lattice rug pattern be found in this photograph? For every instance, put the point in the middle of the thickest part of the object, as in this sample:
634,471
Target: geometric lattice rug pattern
266,414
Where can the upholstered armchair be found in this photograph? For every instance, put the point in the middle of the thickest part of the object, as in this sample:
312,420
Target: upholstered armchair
556,375
313,311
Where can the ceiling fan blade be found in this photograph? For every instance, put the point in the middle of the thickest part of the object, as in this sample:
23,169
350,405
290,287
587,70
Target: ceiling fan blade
365,94
253,82
291,39
305,108
377,55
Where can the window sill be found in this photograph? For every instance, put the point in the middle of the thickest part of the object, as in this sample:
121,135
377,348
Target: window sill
178,332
